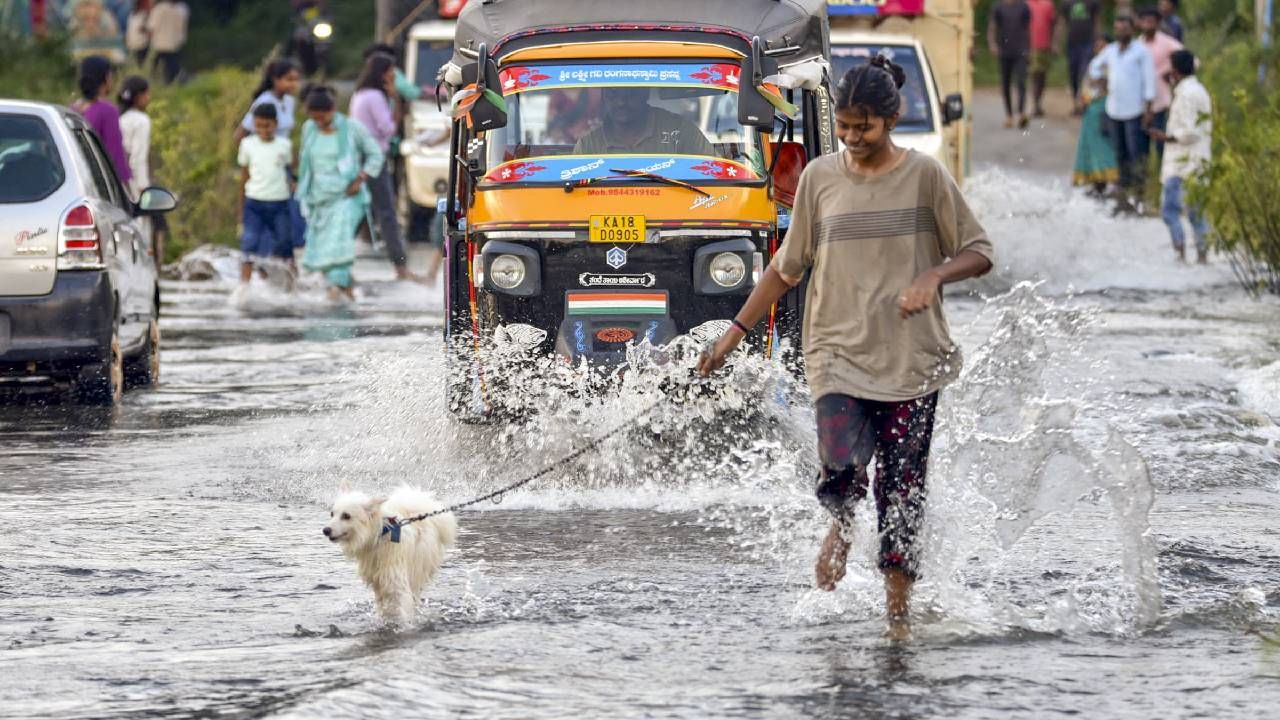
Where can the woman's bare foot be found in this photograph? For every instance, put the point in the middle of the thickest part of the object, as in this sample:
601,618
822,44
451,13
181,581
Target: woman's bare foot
832,558
897,597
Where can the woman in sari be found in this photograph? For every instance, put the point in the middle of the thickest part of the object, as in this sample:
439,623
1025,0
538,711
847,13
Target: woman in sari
337,159
1096,164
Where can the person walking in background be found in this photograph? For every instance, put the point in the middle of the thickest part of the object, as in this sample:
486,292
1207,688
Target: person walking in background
338,158
279,85
1189,137
135,131
371,107
1131,92
167,24
1170,23
1009,38
1095,155
102,115
1162,47
264,160
1043,18
137,40
1081,20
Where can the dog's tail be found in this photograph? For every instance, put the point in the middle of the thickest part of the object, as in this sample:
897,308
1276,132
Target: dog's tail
446,528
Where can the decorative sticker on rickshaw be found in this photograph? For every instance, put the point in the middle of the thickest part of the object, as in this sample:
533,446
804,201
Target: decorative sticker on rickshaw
875,7
567,168
720,76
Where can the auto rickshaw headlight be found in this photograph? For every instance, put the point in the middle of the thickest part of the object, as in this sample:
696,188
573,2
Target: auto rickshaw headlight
507,271
728,269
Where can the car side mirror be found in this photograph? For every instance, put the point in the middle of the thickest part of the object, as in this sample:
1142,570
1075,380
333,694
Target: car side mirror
754,109
952,108
789,160
156,201
485,109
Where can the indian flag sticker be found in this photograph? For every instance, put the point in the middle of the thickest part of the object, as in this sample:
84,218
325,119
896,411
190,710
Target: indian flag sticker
624,303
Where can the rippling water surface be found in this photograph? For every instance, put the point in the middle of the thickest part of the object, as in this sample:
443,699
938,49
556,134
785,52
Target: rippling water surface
1102,537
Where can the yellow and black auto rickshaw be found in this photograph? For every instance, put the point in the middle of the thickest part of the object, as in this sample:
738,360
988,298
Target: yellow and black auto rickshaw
622,174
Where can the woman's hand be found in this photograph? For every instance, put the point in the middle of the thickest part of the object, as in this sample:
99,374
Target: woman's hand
921,295
354,187
713,358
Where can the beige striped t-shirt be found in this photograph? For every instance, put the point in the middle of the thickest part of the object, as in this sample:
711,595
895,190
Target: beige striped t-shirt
865,239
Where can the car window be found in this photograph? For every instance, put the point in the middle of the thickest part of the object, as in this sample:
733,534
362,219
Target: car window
115,190
100,187
30,168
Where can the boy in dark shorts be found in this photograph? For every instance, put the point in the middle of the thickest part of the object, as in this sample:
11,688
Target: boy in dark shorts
264,161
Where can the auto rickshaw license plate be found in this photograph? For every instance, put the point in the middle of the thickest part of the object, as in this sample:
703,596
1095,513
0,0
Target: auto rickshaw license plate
616,229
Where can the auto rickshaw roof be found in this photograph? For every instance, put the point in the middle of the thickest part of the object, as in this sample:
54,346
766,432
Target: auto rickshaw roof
505,26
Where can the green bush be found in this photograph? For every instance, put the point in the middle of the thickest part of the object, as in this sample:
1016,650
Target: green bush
193,154
37,70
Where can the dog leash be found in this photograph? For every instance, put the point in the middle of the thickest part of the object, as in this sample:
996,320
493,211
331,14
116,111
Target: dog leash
393,526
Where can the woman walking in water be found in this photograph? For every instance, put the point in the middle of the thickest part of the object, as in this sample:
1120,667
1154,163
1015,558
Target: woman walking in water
881,229
338,159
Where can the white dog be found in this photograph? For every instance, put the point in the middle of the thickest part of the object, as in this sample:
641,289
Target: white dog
397,563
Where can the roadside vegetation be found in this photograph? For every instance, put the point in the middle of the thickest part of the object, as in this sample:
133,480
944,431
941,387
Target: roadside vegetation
192,148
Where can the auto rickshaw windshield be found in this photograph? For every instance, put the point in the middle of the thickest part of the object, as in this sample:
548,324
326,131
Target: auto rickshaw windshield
594,122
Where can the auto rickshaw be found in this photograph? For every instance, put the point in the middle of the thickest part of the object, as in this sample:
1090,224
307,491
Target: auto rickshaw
622,172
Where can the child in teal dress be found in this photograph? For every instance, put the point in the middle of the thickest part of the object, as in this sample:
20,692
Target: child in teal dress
337,158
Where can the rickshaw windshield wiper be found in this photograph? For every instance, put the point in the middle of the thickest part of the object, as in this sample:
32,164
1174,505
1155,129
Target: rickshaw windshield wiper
634,175
661,179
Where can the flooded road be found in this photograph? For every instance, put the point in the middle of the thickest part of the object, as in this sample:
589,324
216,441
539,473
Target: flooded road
1102,520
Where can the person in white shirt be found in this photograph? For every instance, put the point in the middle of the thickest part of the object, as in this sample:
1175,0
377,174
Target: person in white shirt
135,132
265,188
1188,150
1131,91
136,38
167,24
135,135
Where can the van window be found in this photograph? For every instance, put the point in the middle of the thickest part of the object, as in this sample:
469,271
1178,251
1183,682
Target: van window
30,169
917,115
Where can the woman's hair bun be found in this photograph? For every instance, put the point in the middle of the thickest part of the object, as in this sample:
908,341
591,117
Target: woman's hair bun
883,62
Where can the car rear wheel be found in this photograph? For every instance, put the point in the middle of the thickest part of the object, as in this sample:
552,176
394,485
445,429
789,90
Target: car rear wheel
103,383
144,369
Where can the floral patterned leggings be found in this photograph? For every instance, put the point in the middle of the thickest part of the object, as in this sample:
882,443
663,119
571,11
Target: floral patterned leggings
851,432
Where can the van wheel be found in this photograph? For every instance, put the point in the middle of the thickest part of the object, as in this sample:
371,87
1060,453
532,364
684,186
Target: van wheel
103,383
144,369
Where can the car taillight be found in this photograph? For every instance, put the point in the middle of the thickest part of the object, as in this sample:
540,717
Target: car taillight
79,244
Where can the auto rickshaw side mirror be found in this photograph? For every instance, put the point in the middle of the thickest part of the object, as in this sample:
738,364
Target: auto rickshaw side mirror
753,109
952,108
789,160
489,112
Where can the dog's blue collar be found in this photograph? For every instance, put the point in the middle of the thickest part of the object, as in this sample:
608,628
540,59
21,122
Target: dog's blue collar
392,526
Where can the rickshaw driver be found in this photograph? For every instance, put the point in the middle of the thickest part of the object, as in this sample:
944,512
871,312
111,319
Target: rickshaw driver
634,127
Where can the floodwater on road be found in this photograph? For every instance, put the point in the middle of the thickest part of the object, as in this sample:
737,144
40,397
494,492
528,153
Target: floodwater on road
1101,533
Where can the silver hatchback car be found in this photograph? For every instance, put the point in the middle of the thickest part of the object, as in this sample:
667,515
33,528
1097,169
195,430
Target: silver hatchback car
79,295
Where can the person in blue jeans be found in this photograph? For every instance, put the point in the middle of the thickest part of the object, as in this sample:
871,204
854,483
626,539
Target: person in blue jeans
264,161
1130,74
1188,150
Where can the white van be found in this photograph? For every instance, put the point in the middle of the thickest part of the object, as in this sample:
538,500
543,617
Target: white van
925,113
